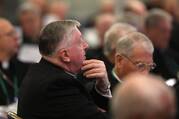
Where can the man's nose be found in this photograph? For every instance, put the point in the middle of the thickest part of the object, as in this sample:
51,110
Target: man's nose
85,45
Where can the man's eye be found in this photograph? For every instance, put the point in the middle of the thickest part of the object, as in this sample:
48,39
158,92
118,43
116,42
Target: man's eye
140,65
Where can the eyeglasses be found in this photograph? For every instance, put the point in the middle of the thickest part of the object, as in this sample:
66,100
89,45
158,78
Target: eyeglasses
141,66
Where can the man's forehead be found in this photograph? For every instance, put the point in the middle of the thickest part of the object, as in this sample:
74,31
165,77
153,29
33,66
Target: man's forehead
4,22
75,30
5,25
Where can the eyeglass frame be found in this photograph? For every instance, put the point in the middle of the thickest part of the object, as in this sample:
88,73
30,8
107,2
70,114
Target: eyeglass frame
137,64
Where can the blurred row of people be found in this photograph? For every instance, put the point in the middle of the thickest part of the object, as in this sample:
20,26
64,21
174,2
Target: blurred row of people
137,40
60,93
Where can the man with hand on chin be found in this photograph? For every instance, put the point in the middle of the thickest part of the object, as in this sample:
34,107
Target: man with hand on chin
51,89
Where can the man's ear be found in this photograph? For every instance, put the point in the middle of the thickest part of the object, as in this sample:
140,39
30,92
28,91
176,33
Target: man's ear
63,55
118,59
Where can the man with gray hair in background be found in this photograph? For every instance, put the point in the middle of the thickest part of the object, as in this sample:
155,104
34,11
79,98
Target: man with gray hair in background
143,97
113,34
134,53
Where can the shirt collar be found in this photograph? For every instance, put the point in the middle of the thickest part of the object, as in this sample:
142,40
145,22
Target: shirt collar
71,74
115,75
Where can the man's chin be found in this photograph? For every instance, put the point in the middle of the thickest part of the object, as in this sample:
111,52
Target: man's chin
84,59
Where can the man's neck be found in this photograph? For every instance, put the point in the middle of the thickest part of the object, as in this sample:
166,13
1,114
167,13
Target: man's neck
4,57
58,63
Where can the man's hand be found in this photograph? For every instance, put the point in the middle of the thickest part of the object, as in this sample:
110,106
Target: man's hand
96,69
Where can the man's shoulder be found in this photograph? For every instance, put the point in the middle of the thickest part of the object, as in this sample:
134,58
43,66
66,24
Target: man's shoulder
48,74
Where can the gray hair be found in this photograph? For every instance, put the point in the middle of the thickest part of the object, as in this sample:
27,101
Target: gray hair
155,16
142,95
53,34
115,32
127,43
28,7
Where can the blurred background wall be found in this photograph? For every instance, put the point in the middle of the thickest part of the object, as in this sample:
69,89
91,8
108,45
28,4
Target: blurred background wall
79,9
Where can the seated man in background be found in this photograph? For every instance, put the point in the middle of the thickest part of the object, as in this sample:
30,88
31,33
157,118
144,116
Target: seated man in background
143,97
158,27
12,70
113,34
51,88
134,53
95,36
30,21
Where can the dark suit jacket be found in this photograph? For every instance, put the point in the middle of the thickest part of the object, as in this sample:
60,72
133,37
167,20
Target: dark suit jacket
48,92
167,67
114,82
14,73
174,42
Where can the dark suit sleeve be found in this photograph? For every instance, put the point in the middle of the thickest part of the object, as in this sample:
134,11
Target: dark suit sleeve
101,101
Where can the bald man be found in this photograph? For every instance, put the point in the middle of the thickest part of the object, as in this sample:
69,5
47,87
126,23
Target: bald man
8,40
11,69
143,97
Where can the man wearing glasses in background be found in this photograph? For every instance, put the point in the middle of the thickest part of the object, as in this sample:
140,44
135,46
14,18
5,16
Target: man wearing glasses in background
134,53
